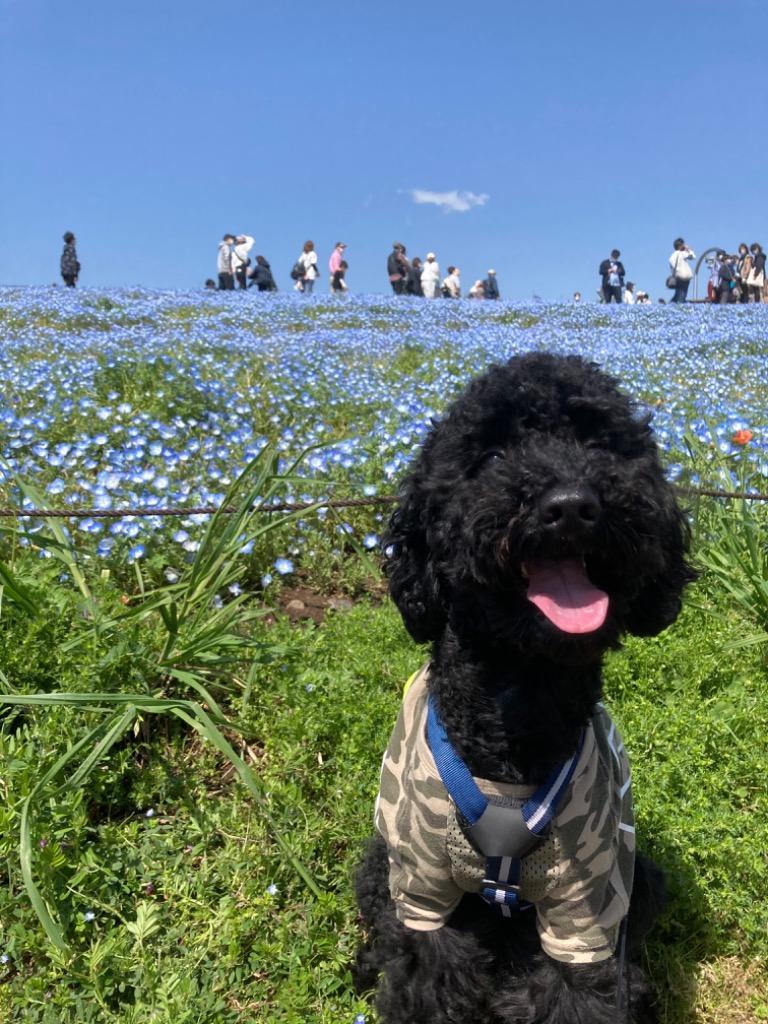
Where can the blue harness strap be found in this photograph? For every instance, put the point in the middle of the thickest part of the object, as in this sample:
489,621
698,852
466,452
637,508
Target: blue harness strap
504,835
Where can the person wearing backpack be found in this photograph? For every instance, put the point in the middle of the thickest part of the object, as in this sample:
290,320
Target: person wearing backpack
680,271
241,260
307,263
69,265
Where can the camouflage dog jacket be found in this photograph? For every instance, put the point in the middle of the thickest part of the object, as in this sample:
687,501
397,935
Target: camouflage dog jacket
579,879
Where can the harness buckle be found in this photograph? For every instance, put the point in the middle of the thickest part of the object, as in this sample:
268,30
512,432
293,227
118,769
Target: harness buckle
508,887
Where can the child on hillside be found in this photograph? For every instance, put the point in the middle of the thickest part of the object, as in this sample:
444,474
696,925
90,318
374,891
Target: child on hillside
338,284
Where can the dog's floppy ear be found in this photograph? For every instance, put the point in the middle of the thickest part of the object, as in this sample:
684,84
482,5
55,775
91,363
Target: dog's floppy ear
413,583
659,600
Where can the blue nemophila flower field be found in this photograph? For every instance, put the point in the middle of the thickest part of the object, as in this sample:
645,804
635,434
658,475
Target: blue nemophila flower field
111,399
160,852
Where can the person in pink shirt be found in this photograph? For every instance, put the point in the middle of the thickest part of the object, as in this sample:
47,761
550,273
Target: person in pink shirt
335,261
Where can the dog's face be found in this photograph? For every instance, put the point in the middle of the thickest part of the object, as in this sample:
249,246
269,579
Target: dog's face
537,517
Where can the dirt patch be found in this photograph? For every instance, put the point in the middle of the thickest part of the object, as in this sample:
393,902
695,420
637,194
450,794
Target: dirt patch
731,992
301,604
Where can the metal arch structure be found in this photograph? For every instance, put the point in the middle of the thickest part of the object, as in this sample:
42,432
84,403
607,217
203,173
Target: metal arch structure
716,249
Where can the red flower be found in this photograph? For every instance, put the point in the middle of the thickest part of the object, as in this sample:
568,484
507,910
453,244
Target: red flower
742,437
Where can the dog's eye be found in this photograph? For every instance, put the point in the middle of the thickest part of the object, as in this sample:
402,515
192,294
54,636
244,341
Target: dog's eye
492,455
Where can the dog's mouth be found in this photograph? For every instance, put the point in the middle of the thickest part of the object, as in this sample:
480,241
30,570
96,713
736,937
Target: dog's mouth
565,595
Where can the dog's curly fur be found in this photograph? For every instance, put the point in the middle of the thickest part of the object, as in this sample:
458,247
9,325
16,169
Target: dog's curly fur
538,434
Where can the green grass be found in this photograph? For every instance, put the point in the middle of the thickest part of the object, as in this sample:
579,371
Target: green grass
186,927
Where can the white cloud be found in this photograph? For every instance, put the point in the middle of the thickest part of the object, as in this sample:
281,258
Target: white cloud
450,202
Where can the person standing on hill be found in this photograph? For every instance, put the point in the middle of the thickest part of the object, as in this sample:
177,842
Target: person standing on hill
491,286
612,273
756,278
452,284
743,267
308,261
70,265
224,264
335,261
397,268
413,281
430,277
241,260
681,272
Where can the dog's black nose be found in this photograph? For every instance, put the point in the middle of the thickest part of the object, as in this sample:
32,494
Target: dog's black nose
569,510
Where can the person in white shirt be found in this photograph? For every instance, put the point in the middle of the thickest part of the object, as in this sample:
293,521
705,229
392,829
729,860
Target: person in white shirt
430,276
224,264
629,294
241,260
682,273
452,284
308,259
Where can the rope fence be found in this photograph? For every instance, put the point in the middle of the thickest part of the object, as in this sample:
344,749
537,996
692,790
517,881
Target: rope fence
286,506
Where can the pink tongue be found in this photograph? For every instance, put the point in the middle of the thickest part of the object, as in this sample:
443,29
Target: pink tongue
564,593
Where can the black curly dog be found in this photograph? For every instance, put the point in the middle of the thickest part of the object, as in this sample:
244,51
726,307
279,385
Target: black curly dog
542,460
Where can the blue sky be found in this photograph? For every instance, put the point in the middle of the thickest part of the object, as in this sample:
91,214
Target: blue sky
150,128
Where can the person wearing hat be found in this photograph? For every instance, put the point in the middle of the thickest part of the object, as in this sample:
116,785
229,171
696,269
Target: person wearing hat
241,260
335,261
397,268
491,286
430,276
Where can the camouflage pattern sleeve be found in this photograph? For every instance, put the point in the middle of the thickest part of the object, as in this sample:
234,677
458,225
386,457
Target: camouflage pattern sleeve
579,918
411,815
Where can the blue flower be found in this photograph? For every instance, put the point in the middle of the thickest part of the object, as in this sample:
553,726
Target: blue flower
284,566
136,552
